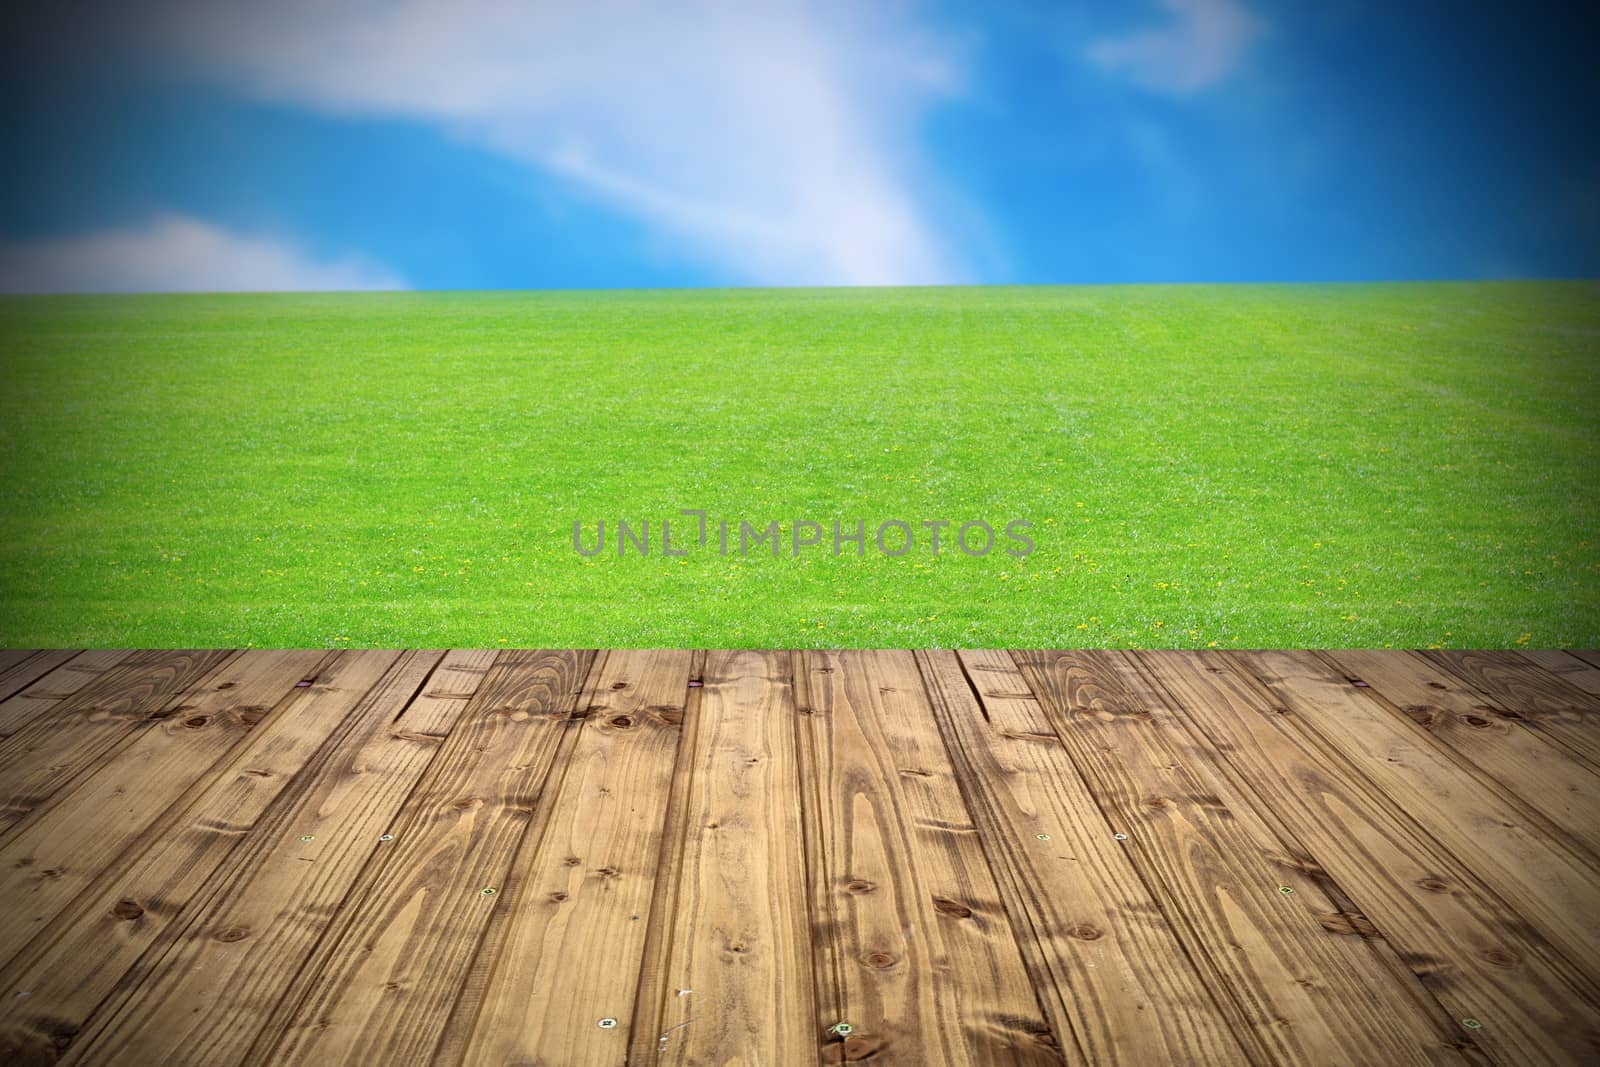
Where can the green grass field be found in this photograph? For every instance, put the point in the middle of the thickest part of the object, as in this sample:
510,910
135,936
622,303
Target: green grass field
1232,465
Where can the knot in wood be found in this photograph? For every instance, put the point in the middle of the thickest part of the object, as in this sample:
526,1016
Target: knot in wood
1501,957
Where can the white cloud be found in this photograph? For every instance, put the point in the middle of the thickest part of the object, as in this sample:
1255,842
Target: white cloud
178,254
1206,41
773,139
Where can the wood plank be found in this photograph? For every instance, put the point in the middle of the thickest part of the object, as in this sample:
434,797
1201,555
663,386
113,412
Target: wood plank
1517,676
1588,655
49,691
43,758
1115,982
655,983
11,658
739,934
49,990
18,670
202,994
1562,712
920,956
1474,954
1218,870
828,958
577,902
1533,776
1585,676
58,853
381,983
434,712
1538,877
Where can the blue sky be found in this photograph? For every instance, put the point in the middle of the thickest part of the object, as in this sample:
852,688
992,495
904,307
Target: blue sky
469,144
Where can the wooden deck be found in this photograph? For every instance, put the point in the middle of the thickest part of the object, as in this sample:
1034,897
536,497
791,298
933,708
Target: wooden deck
517,857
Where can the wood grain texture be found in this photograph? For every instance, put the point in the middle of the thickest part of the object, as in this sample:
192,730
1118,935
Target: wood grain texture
43,756
381,983
577,902
73,963
225,959
1471,951
739,931
49,691
11,658
1544,701
1566,666
917,952
1219,873
646,1032
1115,981
683,857
63,848
1542,879
1533,775
18,670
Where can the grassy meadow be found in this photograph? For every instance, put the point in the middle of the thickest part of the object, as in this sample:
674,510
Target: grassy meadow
1413,464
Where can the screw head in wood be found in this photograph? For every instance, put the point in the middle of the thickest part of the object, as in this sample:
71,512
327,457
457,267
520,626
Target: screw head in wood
1286,889
489,891
1044,837
1472,1024
1119,837
842,1029
386,837
308,837
607,1023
